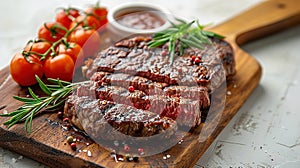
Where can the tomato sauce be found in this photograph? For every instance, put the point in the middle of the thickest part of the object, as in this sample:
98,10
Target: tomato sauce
140,20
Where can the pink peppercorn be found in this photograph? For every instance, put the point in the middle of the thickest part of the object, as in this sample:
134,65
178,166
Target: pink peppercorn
163,53
66,120
73,146
197,60
140,150
193,58
131,89
60,115
126,148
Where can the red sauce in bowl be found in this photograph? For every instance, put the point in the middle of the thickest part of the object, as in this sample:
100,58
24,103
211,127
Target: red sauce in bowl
141,20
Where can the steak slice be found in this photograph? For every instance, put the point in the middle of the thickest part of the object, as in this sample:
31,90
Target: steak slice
217,62
152,88
148,86
186,112
126,80
111,121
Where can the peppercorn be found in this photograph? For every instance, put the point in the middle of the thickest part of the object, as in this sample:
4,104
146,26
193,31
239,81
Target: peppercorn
126,148
193,57
197,60
131,89
163,53
60,115
140,150
135,158
66,120
129,157
73,146
70,139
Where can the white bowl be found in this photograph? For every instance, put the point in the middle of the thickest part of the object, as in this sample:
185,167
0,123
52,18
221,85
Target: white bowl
125,8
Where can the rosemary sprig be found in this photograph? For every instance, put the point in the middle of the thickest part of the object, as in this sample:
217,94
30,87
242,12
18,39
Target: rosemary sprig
182,36
55,97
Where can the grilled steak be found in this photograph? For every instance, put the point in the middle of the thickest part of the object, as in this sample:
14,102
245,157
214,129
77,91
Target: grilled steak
164,95
185,111
103,119
217,62
152,88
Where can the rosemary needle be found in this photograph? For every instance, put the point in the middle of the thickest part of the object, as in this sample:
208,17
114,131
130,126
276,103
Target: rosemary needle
182,36
55,97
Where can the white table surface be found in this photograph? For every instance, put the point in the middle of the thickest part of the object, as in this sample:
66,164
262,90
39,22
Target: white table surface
266,130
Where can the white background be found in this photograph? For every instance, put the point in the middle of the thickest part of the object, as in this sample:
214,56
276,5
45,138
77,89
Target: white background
264,133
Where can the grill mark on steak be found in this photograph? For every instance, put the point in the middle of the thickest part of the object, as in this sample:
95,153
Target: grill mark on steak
176,108
154,67
154,88
150,64
112,121
126,80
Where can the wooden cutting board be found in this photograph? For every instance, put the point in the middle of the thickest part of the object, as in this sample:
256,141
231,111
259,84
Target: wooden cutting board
47,142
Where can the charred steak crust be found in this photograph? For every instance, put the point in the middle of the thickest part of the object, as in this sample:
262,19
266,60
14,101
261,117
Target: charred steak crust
186,112
111,121
216,59
165,95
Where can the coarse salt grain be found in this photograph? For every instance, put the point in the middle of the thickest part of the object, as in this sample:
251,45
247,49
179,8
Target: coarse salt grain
229,93
5,112
89,153
116,143
168,156
14,160
164,157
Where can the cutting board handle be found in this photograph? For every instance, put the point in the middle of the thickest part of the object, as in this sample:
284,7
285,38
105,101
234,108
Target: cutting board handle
263,19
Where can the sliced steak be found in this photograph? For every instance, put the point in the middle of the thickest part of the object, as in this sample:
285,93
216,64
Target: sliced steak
217,62
186,112
153,88
126,80
110,121
165,96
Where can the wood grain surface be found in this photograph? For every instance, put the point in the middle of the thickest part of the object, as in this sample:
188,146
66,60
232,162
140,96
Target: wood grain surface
47,143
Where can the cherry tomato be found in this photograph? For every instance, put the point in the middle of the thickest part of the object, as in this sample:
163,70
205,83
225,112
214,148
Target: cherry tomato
39,47
74,50
99,12
86,21
88,39
51,31
24,72
103,23
59,67
66,16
